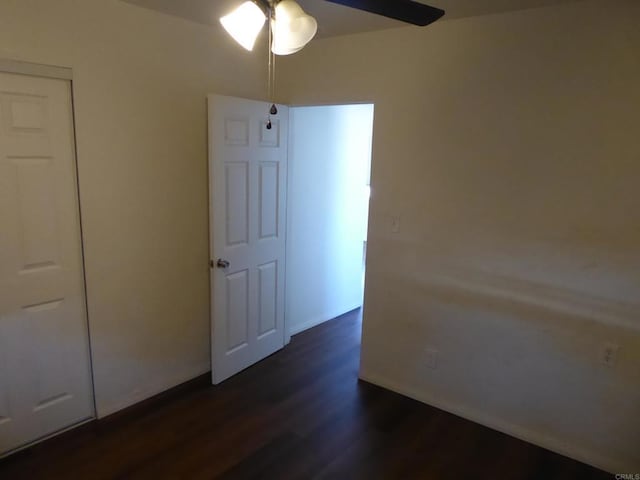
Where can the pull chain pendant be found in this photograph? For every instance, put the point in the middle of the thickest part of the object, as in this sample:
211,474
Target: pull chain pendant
272,74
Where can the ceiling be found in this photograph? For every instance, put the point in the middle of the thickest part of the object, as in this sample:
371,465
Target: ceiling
334,20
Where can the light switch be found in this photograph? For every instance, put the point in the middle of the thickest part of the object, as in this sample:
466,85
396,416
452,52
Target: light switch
395,223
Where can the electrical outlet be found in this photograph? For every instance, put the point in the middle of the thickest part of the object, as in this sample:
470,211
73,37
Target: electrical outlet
609,354
395,223
431,358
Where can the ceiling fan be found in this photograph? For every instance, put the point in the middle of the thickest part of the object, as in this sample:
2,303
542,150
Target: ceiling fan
291,28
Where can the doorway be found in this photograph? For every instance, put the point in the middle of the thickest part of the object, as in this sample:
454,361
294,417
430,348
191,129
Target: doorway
289,199
327,214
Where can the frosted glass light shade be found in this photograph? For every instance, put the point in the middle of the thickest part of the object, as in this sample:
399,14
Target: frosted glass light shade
244,24
280,50
292,28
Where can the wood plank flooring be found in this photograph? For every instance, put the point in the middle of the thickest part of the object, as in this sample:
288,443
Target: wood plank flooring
299,414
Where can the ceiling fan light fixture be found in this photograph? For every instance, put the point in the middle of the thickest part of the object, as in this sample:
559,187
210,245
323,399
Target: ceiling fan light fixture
280,50
292,28
244,24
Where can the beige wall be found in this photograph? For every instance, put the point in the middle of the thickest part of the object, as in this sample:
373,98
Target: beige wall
508,144
140,80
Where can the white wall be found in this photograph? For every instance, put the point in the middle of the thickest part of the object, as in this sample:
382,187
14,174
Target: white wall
140,80
329,156
509,146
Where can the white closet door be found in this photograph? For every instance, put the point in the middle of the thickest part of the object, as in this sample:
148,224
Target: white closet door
45,378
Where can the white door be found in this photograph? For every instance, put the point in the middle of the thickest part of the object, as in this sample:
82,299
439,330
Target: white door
247,168
45,379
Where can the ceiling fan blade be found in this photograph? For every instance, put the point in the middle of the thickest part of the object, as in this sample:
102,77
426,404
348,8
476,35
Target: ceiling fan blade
403,10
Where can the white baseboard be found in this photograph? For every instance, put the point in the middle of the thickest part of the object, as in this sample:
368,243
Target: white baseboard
595,459
151,390
317,320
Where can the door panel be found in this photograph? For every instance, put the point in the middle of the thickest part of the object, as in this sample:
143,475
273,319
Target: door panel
237,311
248,198
36,212
269,187
45,379
237,211
267,297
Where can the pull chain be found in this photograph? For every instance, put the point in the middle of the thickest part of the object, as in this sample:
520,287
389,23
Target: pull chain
271,82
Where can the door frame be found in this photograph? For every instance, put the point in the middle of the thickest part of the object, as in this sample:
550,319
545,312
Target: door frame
62,73
36,70
291,106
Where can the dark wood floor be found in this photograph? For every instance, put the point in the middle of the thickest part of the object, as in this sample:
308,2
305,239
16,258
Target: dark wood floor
301,413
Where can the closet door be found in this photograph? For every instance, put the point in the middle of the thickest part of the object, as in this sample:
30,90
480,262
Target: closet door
45,376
